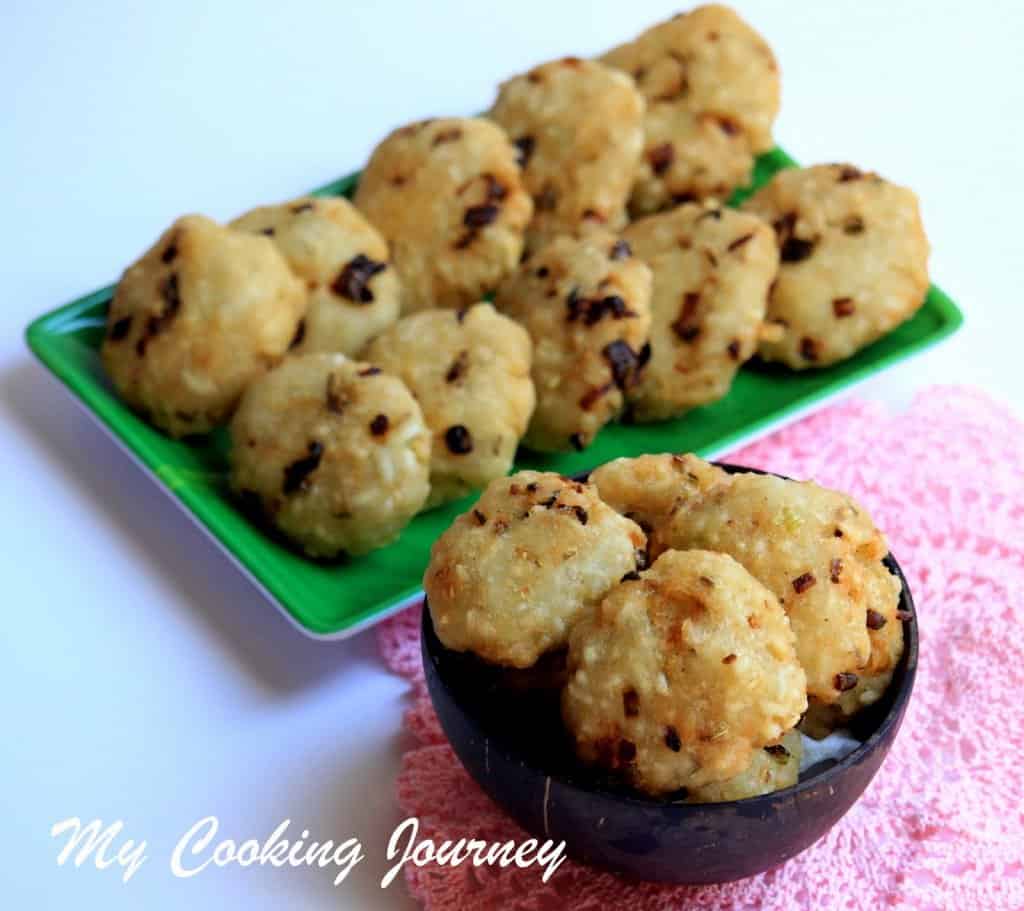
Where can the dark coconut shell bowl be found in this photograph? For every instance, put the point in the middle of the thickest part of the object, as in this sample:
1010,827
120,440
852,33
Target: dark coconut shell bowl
507,731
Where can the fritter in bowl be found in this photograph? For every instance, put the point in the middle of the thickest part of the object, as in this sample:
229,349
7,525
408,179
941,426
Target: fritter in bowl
680,675
819,552
510,577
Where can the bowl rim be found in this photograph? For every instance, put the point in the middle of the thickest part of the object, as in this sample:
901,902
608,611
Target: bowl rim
625,795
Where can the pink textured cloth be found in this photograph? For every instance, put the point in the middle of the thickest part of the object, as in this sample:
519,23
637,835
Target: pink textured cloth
942,825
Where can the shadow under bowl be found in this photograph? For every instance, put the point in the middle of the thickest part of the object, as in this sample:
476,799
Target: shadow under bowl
512,741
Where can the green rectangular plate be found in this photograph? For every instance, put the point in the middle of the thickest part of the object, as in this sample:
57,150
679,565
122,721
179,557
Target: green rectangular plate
331,601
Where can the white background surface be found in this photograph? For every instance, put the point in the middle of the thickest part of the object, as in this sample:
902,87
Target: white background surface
142,678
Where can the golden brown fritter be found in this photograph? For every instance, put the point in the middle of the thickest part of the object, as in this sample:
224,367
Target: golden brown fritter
678,676
713,268
333,452
204,312
586,304
712,89
448,196
578,126
510,577
343,262
819,553
854,261
649,489
470,372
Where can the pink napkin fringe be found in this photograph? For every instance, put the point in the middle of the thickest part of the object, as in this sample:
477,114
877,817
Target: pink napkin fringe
942,825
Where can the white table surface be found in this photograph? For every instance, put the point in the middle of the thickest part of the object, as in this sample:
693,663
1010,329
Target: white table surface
143,678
